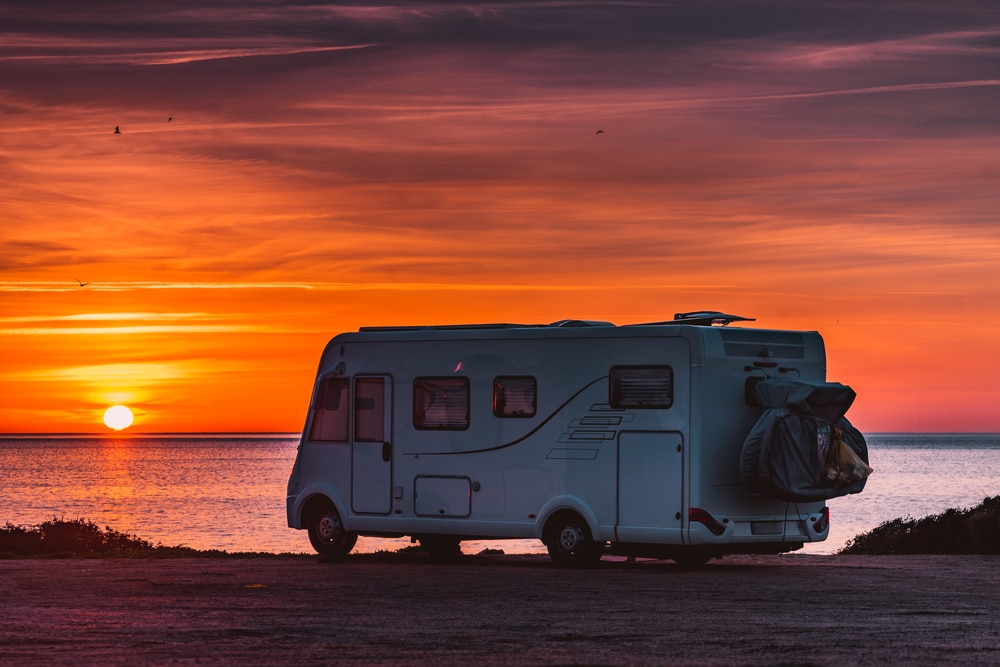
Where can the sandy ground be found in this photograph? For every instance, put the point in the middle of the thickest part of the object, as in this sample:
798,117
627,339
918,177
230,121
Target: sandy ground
496,610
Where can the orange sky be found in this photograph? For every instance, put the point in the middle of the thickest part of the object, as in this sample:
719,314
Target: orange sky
331,167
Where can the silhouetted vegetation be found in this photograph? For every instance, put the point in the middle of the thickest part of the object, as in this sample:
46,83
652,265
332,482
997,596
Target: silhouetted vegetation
60,538
79,537
971,531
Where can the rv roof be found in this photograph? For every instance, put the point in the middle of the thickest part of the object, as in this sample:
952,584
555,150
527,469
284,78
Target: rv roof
498,325
697,318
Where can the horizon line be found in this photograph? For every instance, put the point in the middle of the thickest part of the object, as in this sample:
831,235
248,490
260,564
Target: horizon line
299,433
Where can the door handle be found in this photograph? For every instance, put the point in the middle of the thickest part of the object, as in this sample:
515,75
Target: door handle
386,451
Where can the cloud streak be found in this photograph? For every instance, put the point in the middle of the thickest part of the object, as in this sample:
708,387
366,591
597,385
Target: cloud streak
322,287
93,53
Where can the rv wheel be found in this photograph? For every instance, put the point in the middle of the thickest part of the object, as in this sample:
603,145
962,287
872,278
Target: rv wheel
569,542
327,534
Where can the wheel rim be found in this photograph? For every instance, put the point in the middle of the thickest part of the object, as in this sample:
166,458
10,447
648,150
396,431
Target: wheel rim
570,538
328,528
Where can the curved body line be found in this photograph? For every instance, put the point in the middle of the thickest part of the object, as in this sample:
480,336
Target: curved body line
523,437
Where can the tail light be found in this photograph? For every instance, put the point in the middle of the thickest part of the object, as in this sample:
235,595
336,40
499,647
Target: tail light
698,515
823,522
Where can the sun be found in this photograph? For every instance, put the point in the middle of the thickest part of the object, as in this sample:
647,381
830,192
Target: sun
118,417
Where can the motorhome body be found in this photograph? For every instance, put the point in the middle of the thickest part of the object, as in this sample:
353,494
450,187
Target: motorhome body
591,437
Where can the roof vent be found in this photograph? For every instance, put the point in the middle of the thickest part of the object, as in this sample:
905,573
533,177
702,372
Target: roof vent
702,318
709,317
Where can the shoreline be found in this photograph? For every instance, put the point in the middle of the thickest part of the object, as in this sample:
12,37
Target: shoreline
500,610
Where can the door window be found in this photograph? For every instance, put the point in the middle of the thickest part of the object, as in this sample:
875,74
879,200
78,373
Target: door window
369,410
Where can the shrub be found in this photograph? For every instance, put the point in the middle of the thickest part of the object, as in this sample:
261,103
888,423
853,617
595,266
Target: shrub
68,537
971,531
60,538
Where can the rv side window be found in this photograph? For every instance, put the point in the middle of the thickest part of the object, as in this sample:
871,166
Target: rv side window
514,396
369,410
330,411
441,403
642,387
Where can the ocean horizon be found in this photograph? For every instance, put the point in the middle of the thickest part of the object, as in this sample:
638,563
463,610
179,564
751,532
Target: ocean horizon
226,490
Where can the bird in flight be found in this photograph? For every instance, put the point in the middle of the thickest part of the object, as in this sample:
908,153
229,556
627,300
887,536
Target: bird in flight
82,284
599,132
170,119
117,131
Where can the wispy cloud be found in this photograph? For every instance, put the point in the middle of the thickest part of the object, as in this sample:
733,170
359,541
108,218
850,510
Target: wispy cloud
136,329
96,52
110,317
125,286
979,44
325,287
110,373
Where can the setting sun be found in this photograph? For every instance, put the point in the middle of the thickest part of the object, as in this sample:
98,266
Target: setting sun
118,417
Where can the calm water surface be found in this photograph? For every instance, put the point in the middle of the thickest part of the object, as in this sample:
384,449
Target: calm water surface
228,491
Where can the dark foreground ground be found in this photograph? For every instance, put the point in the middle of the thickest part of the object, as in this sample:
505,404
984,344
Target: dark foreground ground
497,610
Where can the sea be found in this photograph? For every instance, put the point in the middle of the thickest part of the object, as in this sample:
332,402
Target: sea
227,491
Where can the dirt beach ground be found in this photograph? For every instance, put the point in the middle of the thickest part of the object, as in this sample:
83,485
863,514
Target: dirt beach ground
501,610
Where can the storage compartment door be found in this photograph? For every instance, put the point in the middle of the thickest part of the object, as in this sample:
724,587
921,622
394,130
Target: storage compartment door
442,496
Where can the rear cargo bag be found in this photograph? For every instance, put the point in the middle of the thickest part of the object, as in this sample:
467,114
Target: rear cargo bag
803,448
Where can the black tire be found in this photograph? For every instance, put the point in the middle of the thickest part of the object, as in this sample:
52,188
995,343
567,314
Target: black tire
327,534
569,542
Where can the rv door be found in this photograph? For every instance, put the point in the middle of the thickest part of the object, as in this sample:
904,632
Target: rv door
649,486
371,468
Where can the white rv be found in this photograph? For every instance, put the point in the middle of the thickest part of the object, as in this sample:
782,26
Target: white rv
593,438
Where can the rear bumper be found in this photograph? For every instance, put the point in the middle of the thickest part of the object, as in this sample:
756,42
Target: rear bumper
759,530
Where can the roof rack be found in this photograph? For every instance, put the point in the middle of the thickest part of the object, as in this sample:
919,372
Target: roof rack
703,318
